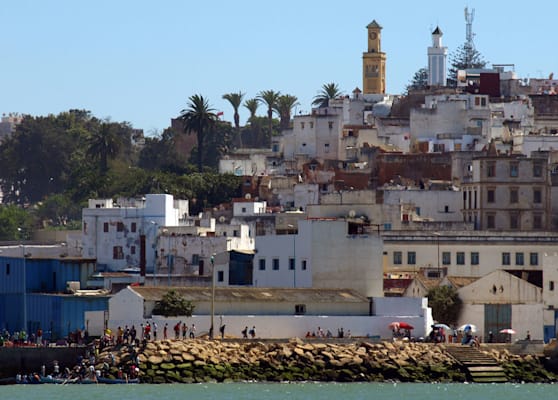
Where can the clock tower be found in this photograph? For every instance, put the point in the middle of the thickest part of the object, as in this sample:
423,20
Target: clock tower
374,62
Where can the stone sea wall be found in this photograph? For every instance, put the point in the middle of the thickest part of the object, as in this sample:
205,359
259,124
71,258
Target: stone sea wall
192,361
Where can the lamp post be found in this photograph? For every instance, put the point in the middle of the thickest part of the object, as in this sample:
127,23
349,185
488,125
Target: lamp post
294,254
24,284
211,330
437,234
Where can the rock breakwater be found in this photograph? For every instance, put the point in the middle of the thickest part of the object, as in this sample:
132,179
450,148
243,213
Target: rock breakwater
193,361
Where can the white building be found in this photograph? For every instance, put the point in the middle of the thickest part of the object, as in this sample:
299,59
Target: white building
120,235
325,253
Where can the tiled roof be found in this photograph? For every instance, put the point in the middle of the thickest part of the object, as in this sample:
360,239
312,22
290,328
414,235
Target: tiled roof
460,281
254,294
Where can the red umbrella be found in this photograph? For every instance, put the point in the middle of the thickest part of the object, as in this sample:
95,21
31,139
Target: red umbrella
400,325
404,325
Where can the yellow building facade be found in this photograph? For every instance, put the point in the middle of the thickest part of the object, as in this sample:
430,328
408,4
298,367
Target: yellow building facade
374,62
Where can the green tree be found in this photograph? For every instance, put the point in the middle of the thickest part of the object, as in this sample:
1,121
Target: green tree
269,98
172,304
419,81
59,210
198,117
328,92
464,57
104,143
235,99
283,106
445,303
15,223
252,106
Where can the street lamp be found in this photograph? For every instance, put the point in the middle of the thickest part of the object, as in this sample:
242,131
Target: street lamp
437,234
294,254
211,330
24,284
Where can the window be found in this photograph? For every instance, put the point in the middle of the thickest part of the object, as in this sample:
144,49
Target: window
302,125
311,125
387,226
105,227
490,221
475,258
119,227
460,258
513,195
195,259
417,210
117,253
8,269
519,259
261,263
490,196
514,169
133,227
446,209
132,250
537,170
491,169
276,264
243,209
514,220
446,258
303,266
326,148
506,258
291,264
411,257
330,124
537,196
537,221
551,285
220,276
85,227
533,258
300,309
397,258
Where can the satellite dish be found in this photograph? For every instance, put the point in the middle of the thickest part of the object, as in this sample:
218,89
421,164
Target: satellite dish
352,213
247,196
222,219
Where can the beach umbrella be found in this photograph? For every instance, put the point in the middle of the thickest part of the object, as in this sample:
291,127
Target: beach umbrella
443,326
509,331
405,325
467,327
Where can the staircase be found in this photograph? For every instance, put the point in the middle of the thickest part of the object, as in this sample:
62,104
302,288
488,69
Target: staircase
480,367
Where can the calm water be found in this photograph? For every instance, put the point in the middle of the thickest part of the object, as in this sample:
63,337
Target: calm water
294,391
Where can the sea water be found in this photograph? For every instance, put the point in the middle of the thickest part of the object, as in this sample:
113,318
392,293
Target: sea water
276,391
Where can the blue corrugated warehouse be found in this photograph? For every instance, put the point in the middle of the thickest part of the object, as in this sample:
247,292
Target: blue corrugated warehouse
42,286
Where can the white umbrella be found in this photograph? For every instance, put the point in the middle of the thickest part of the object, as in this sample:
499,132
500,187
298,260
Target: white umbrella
508,331
471,327
443,326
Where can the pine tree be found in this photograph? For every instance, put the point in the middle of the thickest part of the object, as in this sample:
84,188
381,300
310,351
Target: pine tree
464,57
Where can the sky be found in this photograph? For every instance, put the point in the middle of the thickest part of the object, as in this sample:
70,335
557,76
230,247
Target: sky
139,61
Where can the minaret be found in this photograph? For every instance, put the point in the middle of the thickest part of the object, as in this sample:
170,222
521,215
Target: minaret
437,55
374,62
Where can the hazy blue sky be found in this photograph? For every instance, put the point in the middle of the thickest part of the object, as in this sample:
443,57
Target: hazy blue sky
139,61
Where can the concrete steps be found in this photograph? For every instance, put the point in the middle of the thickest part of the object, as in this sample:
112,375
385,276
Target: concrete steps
480,367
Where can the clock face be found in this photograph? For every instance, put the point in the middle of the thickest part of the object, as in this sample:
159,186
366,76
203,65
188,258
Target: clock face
373,35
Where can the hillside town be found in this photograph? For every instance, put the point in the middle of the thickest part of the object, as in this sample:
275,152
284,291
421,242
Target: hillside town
344,224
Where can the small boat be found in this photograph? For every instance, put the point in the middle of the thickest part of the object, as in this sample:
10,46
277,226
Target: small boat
102,379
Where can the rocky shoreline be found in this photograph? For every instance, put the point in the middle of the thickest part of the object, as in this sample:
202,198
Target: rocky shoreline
195,361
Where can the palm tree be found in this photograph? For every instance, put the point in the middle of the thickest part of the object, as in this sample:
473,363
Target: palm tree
104,143
252,106
235,99
198,117
269,97
327,92
283,107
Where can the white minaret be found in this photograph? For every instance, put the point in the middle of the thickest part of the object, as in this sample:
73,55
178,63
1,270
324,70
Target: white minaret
437,55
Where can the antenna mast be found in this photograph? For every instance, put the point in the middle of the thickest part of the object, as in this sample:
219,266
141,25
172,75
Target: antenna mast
469,45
